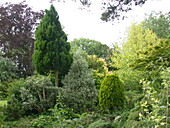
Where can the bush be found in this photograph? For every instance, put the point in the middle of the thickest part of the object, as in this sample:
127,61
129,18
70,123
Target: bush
14,110
38,94
34,95
8,69
14,89
111,94
8,72
79,91
43,121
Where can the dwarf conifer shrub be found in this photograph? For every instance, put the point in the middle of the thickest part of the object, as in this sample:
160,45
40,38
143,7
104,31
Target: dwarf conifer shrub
79,91
111,94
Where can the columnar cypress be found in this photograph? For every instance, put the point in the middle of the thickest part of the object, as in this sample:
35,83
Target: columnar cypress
51,50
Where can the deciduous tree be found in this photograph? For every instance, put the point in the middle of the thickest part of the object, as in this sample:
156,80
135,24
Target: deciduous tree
138,38
92,47
17,25
159,23
125,59
113,9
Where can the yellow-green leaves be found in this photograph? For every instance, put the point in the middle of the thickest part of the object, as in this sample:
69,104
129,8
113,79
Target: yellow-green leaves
138,39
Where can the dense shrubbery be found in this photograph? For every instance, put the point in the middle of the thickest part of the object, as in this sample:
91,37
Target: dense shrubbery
35,94
8,72
136,95
8,69
112,95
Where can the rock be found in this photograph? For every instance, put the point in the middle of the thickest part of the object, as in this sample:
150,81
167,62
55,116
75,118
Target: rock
117,118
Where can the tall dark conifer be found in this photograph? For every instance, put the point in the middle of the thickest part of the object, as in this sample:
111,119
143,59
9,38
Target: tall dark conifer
51,51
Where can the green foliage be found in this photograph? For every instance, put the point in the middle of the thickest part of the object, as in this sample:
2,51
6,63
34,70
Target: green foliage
63,116
2,116
100,124
51,51
3,103
152,109
14,109
159,23
62,112
79,92
43,121
97,64
14,89
8,69
111,94
3,89
99,68
35,94
166,94
23,122
126,60
152,60
92,47
138,39
155,55
8,72
38,94
131,79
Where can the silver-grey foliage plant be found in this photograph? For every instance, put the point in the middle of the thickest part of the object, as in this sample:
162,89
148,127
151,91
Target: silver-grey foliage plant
79,91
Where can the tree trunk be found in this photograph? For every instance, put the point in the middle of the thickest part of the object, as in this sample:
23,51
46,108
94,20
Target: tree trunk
56,78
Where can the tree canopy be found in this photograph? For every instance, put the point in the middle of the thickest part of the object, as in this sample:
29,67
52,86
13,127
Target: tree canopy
17,25
159,23
153,56
114,9
92,47
138,38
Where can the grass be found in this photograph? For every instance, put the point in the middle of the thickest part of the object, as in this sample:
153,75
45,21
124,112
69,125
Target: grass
3,103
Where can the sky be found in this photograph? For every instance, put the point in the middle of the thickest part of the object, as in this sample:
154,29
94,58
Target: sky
82,23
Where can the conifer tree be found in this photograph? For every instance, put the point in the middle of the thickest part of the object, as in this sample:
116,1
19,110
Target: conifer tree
79,91
51,51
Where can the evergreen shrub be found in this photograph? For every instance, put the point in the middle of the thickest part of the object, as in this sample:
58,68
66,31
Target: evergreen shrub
79,91
112,93
36,94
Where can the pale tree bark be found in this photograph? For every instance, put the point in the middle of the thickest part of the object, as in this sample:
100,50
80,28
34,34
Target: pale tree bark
56,78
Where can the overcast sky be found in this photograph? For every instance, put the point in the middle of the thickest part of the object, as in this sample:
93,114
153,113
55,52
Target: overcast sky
87,24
